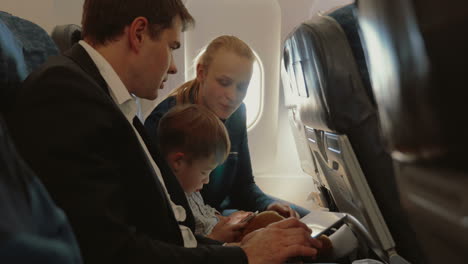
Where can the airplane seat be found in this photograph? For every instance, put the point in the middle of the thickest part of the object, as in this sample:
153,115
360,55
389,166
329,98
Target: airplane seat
293,98
65,36
25,46
14,69
369,148
32,228
36,44
417,59
324,61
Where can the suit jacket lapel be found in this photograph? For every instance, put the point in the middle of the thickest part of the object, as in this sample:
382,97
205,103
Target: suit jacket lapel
79,55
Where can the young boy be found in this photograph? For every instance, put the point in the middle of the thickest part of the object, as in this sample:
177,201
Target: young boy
194,142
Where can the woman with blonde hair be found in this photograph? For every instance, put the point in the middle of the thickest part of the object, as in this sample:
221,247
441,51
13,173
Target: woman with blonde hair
223,73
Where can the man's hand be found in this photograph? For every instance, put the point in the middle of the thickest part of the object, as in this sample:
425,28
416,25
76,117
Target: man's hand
282,209
280,241
225,231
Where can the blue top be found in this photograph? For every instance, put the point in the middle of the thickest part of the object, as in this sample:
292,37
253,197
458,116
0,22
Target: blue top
232,184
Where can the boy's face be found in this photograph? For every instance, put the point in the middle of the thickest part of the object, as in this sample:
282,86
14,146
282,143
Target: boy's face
192,174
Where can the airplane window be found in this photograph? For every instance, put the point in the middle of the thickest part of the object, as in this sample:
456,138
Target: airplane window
254,98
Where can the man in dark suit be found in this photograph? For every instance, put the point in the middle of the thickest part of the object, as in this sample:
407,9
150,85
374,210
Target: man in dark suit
74,122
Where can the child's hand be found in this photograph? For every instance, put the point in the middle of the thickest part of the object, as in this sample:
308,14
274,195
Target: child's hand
225,231
236,217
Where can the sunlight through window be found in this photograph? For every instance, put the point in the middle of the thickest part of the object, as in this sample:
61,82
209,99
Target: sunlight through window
254,98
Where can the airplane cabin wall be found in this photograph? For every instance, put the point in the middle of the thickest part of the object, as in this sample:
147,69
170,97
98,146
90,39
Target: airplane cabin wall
45,13
287,163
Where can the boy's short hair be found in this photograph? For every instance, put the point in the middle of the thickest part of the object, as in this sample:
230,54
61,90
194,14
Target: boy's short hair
104,20
194,130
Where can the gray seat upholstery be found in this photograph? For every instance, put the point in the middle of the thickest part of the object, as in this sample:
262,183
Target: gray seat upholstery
325,67
293,101
65,36
418,64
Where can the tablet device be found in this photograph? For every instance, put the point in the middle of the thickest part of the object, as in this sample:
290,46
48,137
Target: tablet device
249,217
322,221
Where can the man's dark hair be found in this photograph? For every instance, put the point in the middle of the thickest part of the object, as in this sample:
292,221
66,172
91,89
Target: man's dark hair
105,20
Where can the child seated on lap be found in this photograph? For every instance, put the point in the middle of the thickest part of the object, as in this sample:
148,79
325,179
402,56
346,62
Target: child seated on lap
193,142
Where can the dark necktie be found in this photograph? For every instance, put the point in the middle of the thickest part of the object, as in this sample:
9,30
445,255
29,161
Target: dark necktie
143,134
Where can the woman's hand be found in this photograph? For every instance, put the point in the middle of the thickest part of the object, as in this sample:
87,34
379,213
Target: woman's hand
283,209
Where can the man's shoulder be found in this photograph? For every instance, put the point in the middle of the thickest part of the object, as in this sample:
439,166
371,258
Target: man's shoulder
62,76
54,69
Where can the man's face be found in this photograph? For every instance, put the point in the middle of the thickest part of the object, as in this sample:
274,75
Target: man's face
156,62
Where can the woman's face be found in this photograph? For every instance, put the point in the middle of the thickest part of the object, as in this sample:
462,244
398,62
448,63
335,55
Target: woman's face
223,85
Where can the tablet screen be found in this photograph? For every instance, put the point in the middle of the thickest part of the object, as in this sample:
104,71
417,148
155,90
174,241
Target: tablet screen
322,221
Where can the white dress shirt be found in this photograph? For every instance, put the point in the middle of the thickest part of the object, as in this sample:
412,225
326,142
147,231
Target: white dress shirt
127,104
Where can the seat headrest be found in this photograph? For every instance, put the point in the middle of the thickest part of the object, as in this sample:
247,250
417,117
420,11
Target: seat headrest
65,36
418,66
321,66
24,46
347,18
37,44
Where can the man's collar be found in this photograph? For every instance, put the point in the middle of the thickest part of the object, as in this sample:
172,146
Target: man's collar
116,87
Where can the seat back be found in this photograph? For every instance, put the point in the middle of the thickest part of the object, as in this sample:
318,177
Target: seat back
292,100
32,228
13,67
417,57
12,72
65,36
324,61
36,44
24,47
